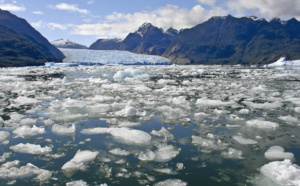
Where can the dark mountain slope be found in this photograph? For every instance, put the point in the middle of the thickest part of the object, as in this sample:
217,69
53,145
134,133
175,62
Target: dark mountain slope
22,45
229,40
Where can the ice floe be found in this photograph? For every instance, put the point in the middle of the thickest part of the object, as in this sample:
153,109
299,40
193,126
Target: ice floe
244,141
27,131
277,153
78,162
125,134
171,182
31,148
11,170
261,124
63,130
282,172
4,135
165,153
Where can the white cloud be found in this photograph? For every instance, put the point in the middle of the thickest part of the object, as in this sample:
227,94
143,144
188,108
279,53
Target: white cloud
266,8
119,24
12,7
90,2
52,26
69,7
38,12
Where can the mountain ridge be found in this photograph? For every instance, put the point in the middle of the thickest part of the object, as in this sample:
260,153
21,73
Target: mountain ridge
22,45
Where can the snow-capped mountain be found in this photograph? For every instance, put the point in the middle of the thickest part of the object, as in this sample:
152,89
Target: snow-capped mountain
61,43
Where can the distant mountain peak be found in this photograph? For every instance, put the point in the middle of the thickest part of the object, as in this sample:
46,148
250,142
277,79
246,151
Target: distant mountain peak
62,43
172,31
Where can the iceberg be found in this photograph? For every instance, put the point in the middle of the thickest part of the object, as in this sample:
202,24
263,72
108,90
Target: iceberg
283,62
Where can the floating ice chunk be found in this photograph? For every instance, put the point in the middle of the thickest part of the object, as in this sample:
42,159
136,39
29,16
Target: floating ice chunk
120,152
289,119
25,101
297,109
163,132
180,166
142,88
28,121
232,154
204,102
129,111
4,135
5,156
266,105
261,124
244,111
10,170
77,183
31,148
126,135
147,156
63,130
26,131
56,104
165,153
78,162
282,172
131,73
244,141
165,170
277,153
210,144
71,103
171,182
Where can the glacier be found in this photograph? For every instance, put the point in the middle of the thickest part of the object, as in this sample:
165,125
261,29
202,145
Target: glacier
109,57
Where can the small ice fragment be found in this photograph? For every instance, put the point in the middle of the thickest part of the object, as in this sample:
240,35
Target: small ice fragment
28,121
277,153
120,152
244,141
244,111
77,183
129,111
25,101
4,135
282,172
63,130
78,162
171,182
232,154
165,153
163,132
261,124
31,148
147,156
289,119
180,166
27,131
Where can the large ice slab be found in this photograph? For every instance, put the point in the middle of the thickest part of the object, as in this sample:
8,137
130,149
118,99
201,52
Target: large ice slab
127,135
282,172
283,62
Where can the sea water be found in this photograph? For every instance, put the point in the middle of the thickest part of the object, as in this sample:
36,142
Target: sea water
149,125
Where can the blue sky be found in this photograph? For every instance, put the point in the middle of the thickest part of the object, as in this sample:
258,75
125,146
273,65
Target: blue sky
85,21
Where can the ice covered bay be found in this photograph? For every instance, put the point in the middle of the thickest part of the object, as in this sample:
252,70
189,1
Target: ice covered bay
149,125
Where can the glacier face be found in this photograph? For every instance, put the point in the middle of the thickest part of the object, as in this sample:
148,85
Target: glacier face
110,57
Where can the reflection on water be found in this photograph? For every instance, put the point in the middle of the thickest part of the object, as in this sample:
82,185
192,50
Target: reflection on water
139,125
